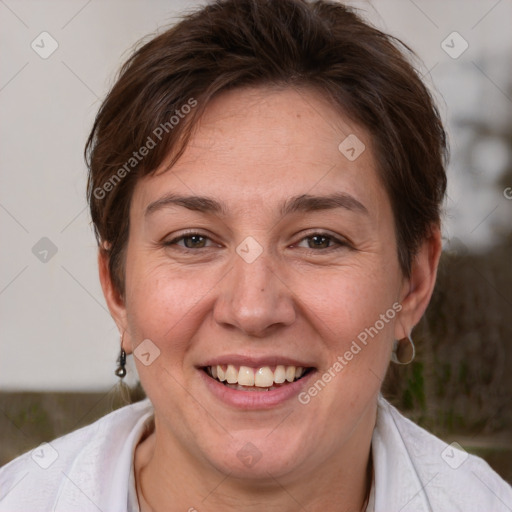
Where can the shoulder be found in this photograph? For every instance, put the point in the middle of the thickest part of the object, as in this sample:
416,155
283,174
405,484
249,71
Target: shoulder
45,476
441,476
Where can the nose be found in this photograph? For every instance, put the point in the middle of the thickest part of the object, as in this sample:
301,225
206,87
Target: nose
254,298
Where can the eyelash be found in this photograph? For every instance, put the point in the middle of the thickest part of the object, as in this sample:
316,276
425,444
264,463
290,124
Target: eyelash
340,244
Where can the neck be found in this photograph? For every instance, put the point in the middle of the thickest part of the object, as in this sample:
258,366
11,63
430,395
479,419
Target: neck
342,482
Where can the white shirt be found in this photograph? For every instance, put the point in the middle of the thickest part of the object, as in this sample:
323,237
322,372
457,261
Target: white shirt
91,469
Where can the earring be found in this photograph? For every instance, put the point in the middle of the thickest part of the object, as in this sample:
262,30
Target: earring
403,351
121,360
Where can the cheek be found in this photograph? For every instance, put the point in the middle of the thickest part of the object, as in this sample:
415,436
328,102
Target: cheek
163,306
353,311
348,300
162,301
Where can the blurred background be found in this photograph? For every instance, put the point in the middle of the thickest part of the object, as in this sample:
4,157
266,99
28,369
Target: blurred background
58,344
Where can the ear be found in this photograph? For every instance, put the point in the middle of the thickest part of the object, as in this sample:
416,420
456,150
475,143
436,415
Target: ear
417,289
115,301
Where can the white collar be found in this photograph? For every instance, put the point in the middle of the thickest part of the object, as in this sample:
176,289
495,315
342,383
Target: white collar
83,488
397,483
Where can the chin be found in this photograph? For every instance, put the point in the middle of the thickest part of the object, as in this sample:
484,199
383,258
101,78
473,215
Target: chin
253,455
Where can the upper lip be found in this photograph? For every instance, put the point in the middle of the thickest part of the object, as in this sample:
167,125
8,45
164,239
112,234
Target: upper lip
256,362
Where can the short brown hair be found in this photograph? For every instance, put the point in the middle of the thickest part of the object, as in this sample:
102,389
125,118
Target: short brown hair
237,43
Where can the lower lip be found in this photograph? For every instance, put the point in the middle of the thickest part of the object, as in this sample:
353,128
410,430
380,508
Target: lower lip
255,399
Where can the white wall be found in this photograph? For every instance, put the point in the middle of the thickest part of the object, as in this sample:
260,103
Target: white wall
55,330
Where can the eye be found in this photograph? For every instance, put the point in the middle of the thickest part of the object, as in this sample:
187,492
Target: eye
190,241
323,241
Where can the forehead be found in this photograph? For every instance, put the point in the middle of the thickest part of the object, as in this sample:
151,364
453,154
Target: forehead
253,146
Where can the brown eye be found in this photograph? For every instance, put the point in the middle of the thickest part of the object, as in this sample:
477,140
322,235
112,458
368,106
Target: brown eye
323,241
190,241
319,241
194,241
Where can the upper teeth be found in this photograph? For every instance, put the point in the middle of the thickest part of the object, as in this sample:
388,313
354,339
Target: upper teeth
262,377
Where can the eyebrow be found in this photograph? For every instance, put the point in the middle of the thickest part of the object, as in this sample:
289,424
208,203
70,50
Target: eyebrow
302,203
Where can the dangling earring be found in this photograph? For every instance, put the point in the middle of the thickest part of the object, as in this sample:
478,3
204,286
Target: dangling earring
121,360
403,351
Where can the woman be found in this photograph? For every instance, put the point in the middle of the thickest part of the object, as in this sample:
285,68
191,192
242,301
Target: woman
265,185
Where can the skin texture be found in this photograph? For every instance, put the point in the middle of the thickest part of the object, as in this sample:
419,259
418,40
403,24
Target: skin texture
252,150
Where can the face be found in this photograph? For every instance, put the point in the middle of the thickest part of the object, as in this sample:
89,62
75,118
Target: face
262,282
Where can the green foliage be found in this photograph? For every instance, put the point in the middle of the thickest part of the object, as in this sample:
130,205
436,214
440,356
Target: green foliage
413,395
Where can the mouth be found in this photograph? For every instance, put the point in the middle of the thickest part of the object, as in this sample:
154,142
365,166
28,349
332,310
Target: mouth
256,379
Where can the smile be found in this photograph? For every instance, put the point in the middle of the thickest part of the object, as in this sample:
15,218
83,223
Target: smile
263,378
